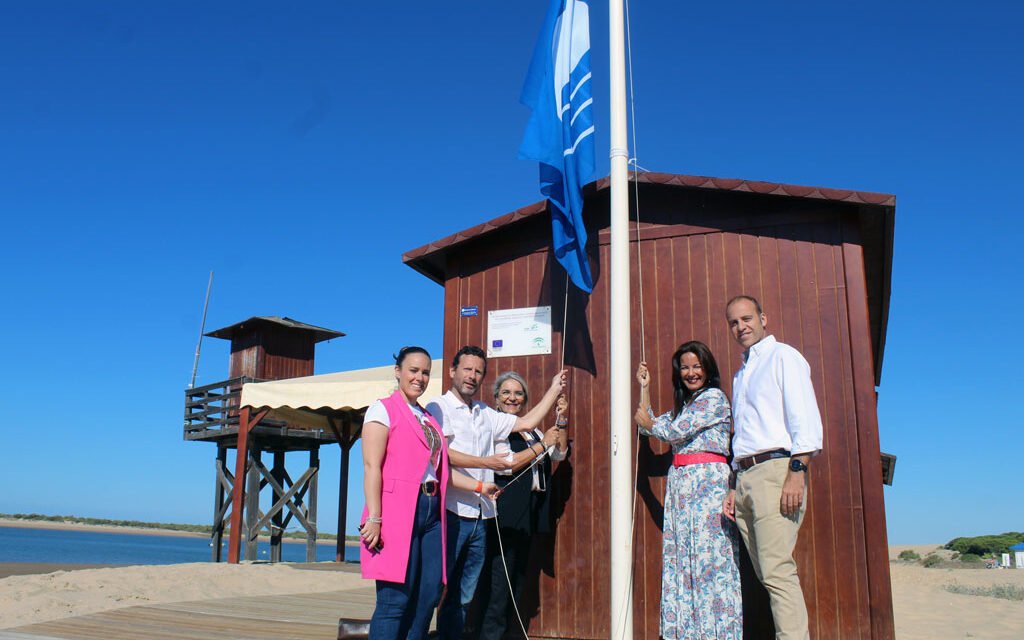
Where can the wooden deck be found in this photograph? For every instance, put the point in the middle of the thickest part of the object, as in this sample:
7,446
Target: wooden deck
310,616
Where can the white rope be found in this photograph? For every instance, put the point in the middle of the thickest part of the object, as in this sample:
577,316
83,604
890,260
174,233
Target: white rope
537,458
565,320
501,545
508,578
636,185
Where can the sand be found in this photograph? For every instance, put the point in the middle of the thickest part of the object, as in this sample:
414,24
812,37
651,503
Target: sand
27,599
923,608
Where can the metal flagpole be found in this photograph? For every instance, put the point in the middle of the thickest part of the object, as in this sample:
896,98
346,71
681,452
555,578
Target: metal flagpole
621,418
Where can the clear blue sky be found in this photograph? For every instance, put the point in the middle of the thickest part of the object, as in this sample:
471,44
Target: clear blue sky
298,149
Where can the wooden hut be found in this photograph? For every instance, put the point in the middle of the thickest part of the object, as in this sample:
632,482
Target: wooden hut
818,259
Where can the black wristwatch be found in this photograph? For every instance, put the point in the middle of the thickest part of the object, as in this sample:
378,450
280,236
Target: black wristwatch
796,465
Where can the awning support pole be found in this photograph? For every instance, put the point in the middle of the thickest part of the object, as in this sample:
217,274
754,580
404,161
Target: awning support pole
246,421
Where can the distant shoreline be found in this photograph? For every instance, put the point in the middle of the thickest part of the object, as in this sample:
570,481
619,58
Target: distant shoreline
18,523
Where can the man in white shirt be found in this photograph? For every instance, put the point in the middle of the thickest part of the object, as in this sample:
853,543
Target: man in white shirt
472,428
776,430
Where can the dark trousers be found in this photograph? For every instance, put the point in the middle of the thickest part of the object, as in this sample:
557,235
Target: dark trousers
404,609
467,551
499,614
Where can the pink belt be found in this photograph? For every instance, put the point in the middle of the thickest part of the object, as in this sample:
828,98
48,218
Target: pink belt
704,457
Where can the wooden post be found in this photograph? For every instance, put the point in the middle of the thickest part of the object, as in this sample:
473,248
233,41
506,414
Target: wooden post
252,506
237,494
314,463
276,520
339,552
341,434
218,501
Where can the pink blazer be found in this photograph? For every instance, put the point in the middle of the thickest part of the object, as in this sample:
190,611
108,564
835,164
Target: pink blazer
405,458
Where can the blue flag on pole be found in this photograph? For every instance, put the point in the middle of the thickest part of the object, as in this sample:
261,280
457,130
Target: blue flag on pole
560,135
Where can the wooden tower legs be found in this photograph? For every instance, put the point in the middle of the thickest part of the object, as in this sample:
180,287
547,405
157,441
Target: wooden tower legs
224,484
297,497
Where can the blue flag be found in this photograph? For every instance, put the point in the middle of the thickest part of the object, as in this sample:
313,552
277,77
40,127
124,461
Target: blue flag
560,135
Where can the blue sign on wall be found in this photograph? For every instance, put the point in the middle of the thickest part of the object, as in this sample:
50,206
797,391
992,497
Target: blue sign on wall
469,312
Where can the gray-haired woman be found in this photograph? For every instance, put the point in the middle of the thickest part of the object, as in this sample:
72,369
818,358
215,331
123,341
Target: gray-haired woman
523,505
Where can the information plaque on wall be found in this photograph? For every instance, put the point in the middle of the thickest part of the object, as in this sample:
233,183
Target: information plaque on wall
519,332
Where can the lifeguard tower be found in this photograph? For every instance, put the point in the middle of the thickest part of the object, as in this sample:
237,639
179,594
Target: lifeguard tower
262,348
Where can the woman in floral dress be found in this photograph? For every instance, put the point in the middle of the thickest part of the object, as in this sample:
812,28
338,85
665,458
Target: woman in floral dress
700,580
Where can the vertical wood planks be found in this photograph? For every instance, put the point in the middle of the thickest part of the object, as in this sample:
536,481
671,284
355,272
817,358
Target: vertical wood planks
804,267
879,586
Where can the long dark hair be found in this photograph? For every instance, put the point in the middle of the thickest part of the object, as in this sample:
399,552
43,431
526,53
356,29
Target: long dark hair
712,379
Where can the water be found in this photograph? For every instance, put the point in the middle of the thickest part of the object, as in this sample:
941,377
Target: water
60,546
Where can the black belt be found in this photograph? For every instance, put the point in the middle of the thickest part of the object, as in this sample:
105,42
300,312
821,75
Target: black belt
758,458
429,488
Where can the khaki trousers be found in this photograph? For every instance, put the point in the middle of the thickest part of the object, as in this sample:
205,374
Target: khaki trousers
770,538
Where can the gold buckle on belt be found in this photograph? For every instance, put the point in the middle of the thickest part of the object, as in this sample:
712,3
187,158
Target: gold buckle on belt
429,488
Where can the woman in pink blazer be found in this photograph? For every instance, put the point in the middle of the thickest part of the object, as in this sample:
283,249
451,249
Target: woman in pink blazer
405,475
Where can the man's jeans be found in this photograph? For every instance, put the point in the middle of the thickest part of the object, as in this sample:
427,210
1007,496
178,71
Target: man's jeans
467,545
404,609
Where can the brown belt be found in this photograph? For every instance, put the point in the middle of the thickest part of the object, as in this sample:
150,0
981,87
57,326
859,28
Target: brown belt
749,461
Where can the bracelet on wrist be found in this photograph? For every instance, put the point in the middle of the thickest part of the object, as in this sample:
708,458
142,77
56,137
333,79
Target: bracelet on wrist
375,520
479,487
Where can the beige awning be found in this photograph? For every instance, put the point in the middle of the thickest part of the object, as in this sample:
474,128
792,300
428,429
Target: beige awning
309,401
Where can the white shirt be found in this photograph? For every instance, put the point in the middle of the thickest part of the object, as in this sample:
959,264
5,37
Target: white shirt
773,403
376,412
470,429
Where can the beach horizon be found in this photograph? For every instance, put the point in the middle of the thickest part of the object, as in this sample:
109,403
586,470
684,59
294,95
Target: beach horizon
68,525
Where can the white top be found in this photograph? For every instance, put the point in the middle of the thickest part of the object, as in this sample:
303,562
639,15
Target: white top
553,452
532,437
470,429
773,403
376,412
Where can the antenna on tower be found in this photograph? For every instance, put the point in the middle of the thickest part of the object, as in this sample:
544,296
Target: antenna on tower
202,328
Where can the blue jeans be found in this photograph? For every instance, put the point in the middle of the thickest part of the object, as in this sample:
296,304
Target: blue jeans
404,609
467,545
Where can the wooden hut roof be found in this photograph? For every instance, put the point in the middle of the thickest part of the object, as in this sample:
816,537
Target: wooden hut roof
319,333
876,212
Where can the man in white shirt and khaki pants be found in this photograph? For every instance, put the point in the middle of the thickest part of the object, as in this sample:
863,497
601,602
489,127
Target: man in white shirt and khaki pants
776,430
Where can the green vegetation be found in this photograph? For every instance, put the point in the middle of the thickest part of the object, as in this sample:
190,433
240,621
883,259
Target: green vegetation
931,560
970,558
1004,591
986,545
909,555
192,528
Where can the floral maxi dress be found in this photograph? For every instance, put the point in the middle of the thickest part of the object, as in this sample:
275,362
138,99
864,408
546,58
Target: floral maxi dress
700,579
